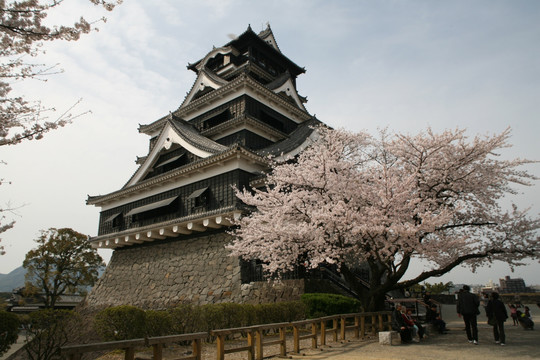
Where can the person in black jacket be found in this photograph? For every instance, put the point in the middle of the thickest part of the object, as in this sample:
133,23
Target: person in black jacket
398,324
467,306
496,312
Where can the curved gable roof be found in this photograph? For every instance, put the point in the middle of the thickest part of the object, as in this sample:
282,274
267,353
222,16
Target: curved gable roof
285,84
177,131
204,79
298,140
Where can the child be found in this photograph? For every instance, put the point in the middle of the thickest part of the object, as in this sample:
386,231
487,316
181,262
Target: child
513,314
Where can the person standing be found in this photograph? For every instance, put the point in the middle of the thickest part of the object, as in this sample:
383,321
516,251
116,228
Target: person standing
496,310
467,307
513,314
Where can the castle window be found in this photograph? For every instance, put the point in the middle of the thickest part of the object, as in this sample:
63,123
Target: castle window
115,220
217,119
153,209
199,198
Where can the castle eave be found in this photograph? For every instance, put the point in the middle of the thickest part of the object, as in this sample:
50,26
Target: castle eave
232,154
242,85
215,219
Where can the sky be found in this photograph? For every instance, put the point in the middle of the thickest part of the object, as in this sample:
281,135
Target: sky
401,65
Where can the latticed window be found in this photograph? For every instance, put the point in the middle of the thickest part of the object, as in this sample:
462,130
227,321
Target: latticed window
196,198
252,271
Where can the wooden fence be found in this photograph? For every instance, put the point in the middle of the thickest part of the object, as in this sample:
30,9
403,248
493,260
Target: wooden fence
256,338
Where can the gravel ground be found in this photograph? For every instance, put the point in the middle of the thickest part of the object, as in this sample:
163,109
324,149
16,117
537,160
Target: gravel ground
520,344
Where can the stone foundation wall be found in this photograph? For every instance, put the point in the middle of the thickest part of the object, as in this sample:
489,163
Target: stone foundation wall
197,271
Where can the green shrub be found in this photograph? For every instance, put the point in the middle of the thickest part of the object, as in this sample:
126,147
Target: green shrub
129,322
234,315
265,314
192,318
278,312
318,305
292,310
186,318
158,323
212,317
9,330
121,323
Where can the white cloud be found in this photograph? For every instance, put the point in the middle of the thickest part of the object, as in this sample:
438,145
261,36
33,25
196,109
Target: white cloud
369,64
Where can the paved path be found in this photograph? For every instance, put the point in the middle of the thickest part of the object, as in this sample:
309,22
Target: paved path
520,344
21,340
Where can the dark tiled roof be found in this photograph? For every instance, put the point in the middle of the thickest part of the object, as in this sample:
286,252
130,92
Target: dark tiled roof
191,135
296,138
280,80
210,75
232,151
249,33
268,32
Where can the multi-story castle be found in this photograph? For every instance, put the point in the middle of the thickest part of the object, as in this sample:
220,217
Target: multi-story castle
168,224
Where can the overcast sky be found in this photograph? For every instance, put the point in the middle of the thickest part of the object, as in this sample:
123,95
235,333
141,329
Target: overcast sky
405,65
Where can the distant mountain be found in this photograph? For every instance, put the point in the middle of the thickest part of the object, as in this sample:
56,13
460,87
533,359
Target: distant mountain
13,280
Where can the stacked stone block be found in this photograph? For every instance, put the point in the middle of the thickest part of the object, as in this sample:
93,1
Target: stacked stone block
195,271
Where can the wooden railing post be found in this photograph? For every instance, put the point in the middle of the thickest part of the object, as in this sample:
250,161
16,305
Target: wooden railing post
197,349
296,339
283,343
356,327
323,332
389,322
129,353
343,329
158,351
251,345
363,326
220,344
335,329
381,326
373,325
259,343
314,333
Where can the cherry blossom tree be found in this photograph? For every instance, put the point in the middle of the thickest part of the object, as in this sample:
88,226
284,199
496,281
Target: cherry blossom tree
352,200
22,35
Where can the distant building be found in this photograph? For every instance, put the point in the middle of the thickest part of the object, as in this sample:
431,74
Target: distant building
19,302
490,287
509,285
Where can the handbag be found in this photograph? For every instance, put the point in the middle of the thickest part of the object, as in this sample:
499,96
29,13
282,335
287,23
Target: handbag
492,321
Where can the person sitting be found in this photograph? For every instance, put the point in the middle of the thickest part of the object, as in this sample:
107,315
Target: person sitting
399,325
433,317
417,328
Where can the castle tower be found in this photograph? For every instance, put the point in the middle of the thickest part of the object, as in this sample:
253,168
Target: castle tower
167,225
